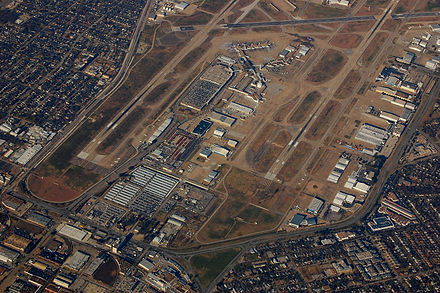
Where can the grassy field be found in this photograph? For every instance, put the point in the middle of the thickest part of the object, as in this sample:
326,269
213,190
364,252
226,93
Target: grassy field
321,123
305,108
328,67
348,85
207,266
246,208
295,162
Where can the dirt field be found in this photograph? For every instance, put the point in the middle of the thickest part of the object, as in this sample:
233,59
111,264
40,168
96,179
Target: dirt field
107,272
51,189
391,25
255,15
262,137
321,123
213,5
281,114
274,11
357,26
328,67
272,152
377,3
294,163
321,11
346,41
247,209
368,10
305,108
404,6
348,85
311,28
373,48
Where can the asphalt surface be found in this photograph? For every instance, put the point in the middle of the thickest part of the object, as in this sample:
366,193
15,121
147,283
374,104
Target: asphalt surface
300,21
414,14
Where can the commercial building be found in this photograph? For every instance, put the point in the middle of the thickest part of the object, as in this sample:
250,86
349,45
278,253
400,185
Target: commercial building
202,127
315,206
389,116
73,232
211,176
342,198
380,223
397,208
64,280
205,153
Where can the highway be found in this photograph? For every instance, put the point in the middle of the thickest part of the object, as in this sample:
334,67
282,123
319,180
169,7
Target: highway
299,21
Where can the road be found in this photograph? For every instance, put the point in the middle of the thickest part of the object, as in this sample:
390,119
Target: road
414,14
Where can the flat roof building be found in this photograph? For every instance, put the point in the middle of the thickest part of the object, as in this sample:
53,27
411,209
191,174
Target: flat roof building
297,220
222,119
77,260
315,205
73,232
8,255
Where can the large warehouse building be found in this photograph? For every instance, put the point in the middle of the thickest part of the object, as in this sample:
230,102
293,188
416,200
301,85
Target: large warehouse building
372,134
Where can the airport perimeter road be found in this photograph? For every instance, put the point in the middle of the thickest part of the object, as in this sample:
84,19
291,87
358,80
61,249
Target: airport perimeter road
299,21
414,14
389,167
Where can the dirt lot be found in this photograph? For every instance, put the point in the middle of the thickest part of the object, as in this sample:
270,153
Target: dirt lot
357,26
348,85
346,41
294,163
373,48
328,67
305,108
51,189
320,125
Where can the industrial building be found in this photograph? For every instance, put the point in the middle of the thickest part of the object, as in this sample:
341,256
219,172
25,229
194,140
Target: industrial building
146,264
205,153
315,206
219,150
122,193
297,220
160,130
338,170
389,116
64,280
222,119
244,110
380,223
372,134
202,127
342,198
397,208
8,255
39,219
73,232
211,176
77,260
